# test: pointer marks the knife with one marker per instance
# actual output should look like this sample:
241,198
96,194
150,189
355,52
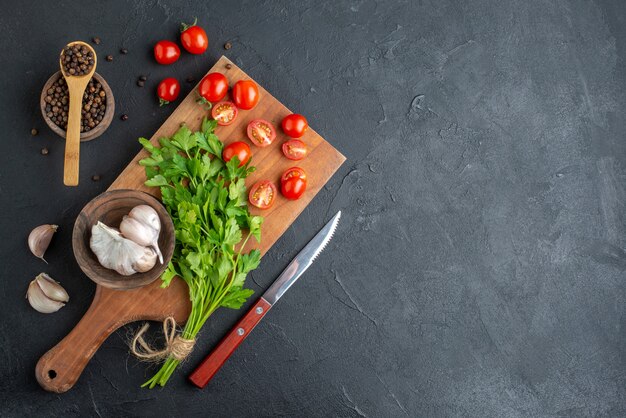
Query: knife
214,361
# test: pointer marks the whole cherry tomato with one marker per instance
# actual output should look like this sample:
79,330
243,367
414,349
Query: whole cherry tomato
213,87
293,183
295,125
168,90
166,52
193,38
245,94
238,149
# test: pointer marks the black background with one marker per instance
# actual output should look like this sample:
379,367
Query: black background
479,267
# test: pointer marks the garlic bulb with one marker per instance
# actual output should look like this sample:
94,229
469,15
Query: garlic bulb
39,239
118,253
143,226
46,295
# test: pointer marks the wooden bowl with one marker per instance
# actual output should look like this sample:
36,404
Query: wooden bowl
109,208
95,132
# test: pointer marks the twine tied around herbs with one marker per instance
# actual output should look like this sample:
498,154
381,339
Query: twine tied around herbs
175,345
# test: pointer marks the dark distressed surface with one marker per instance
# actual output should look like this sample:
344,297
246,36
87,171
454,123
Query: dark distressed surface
479,268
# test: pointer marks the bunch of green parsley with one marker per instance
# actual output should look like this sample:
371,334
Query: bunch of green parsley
207,200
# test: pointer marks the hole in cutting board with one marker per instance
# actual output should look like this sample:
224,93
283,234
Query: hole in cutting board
52,374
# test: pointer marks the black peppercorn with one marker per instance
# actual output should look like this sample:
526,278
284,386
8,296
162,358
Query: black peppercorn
228,45
140,83
44,151
228,66
124,117
96,40
142,78
34,131
124,51
92,110
109,58
77,60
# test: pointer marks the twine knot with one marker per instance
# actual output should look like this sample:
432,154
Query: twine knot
175,345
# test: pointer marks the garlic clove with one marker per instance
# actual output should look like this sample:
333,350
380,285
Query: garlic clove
141,233
146,215
146,261
38,299
39,239
51,288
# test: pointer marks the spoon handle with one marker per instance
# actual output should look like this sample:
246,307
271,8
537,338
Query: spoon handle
72,138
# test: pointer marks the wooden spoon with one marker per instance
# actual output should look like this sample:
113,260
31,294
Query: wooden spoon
76,86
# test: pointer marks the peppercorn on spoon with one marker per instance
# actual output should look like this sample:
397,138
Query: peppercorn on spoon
77,79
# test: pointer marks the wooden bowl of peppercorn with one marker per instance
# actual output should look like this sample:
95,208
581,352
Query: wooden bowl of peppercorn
98,106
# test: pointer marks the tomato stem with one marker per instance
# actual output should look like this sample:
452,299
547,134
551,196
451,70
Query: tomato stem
184,26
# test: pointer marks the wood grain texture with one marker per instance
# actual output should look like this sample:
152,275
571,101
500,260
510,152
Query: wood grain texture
76,87
100,321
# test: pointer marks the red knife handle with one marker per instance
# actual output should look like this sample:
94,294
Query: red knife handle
214,361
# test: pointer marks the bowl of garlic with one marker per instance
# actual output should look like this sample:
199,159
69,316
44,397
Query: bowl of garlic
123,239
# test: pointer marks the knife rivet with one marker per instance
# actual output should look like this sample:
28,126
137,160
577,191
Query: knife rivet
240,331
259,310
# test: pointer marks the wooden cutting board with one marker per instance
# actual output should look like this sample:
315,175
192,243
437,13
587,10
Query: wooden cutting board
59,369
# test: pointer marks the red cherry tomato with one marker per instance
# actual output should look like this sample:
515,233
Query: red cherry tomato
295,125
168,90
294,149
224,113
293,188
238,149
262,194
293,172
193,38
166,52
245,94
213,87
261,132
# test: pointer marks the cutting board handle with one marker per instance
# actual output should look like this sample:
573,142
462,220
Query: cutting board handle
59,369
62,365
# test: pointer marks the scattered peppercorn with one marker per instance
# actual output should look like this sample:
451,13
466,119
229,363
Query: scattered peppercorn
77,60
190,79
109,58
140,83
124,51
143,78
96,40
95,177
228,45
34,131
44,151
228,66
124,117
93,106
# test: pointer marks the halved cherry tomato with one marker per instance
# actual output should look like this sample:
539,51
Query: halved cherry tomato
261,132
295,125
166,52
224,113
294,185
238,149
262,194
245,94
168,90
213,87
293,172
294,149
193,38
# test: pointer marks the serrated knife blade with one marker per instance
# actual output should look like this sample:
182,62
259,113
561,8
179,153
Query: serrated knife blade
212,363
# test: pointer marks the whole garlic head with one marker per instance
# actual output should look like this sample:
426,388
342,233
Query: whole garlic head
118,253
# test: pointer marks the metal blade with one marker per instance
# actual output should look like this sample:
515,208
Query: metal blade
302,261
